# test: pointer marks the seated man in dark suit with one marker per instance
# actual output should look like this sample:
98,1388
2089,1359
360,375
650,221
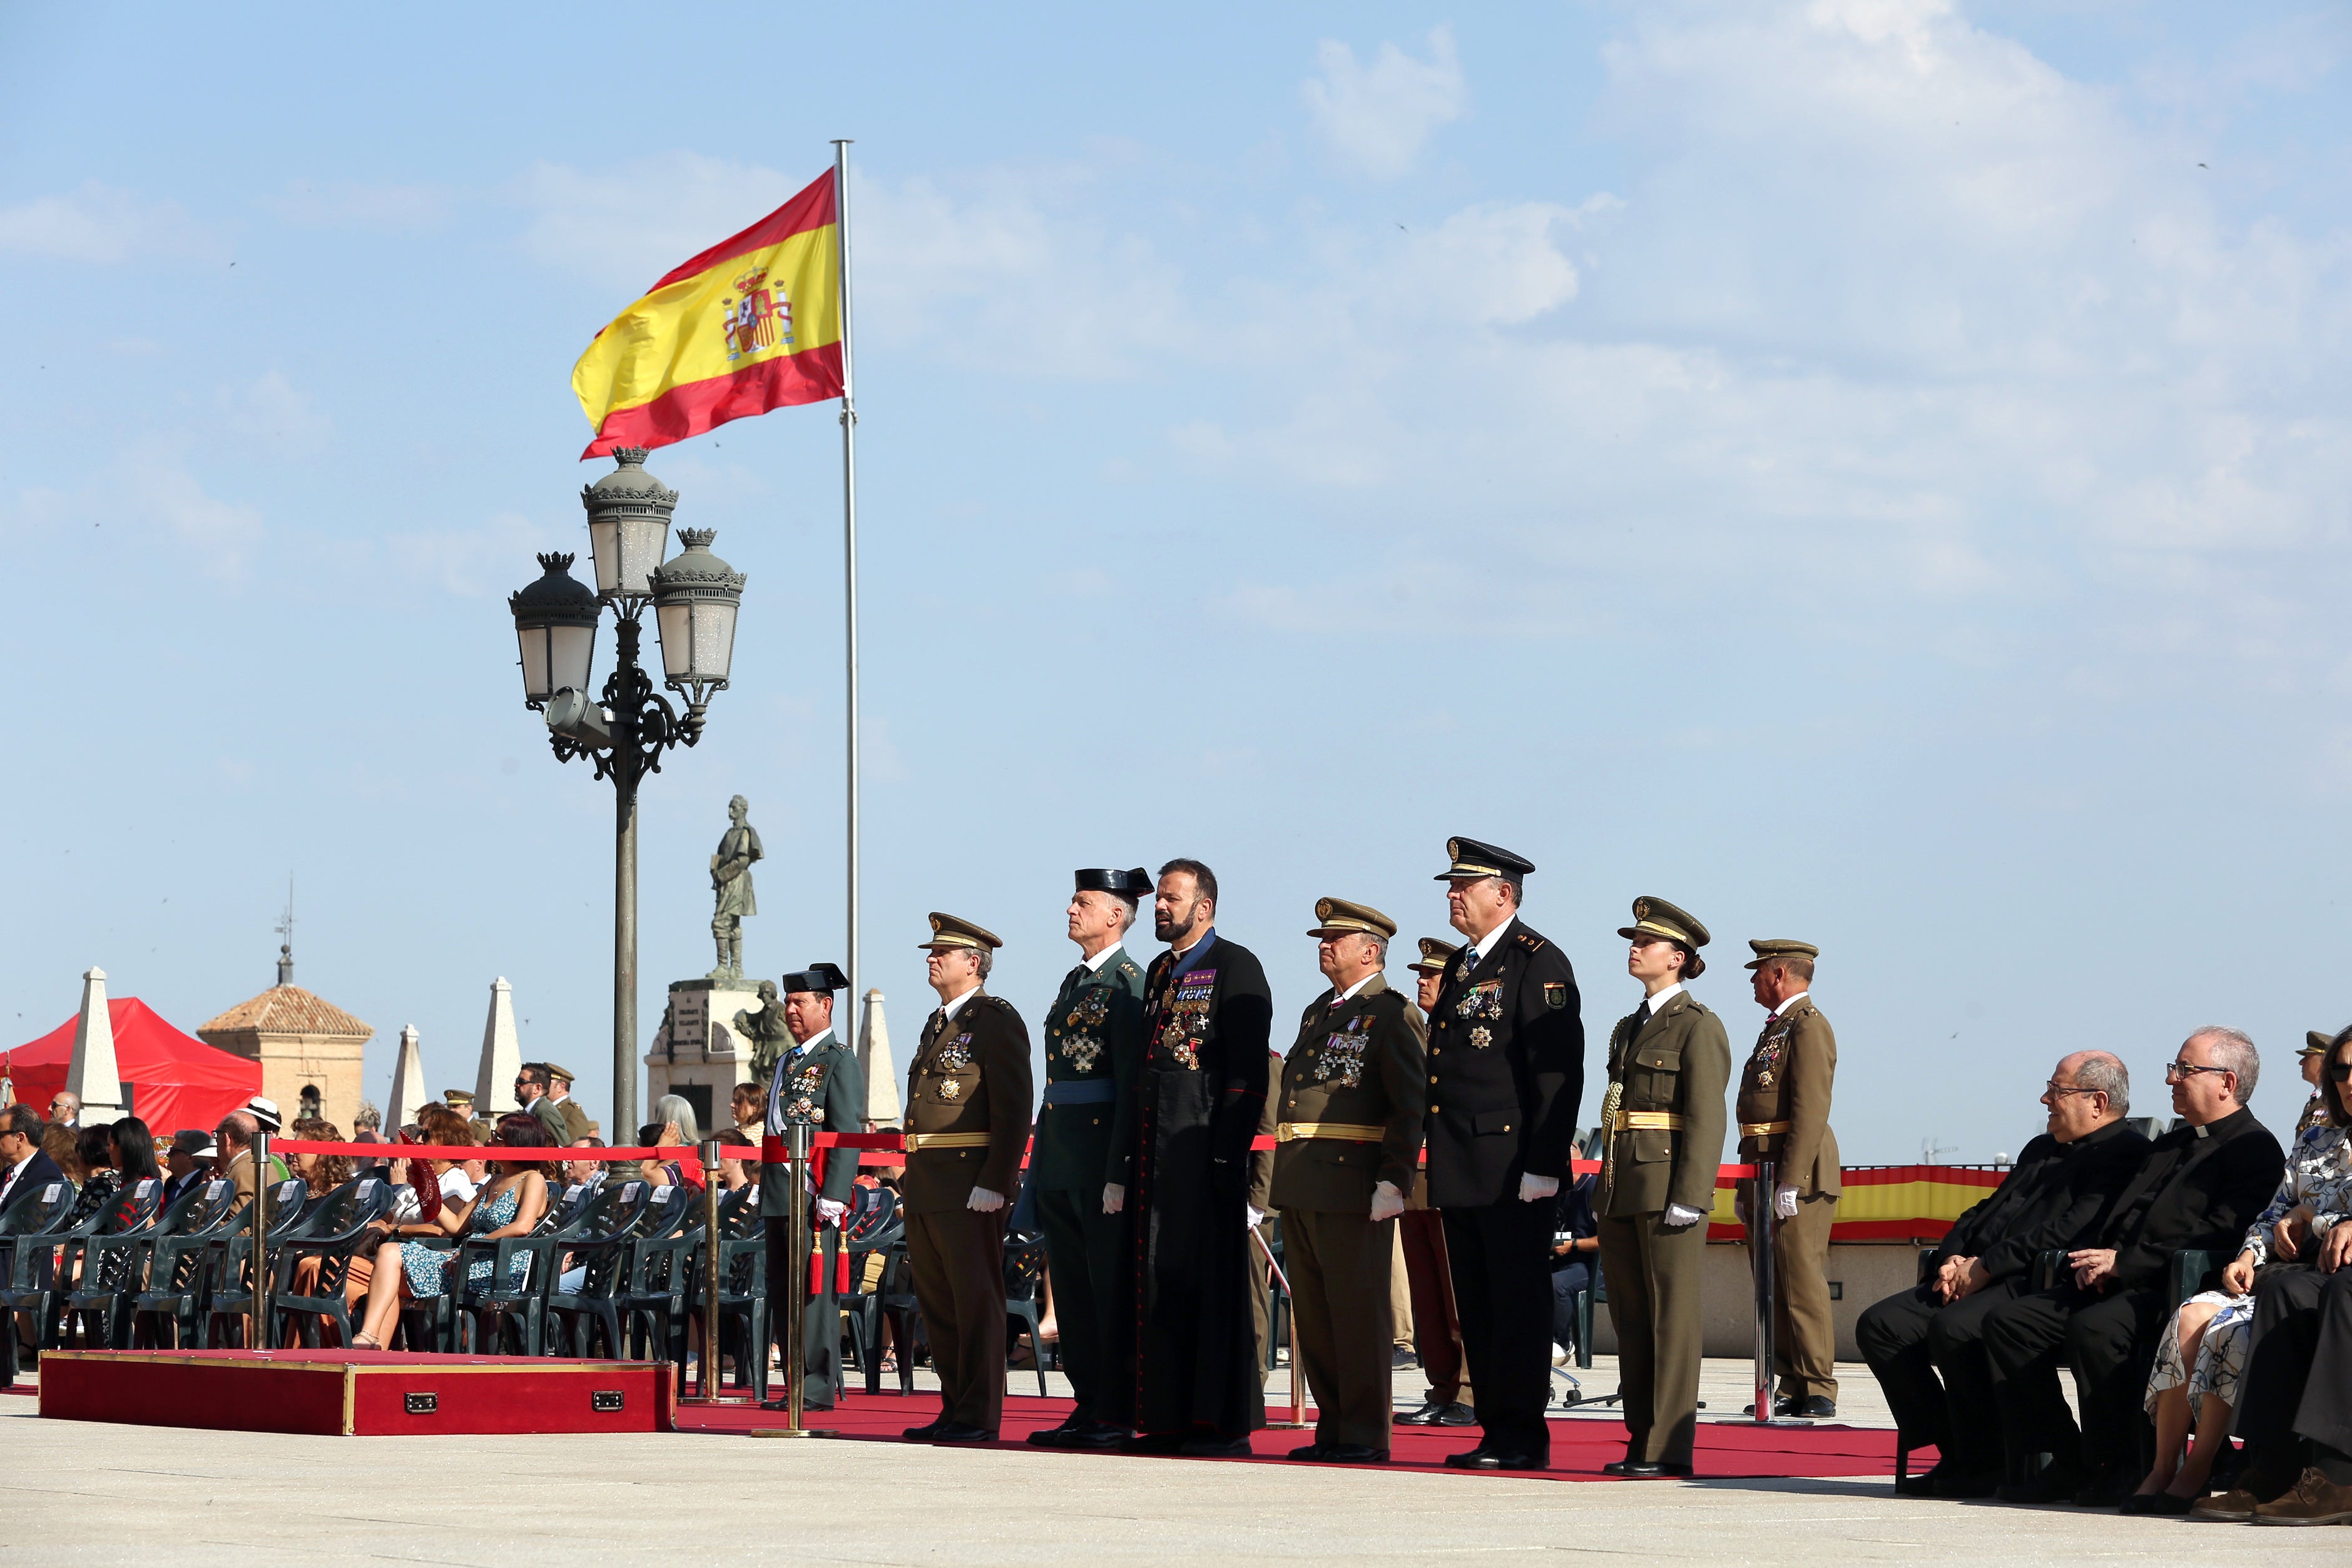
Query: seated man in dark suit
1575,1253
22,1161
2053,1197
2199,1186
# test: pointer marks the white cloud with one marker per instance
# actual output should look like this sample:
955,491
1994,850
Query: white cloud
103,225
150,487
344,204
272,412
626,226
1375,118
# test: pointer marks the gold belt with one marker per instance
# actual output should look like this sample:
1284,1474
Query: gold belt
1648,1121
1763,1129
1347,1131
946,1140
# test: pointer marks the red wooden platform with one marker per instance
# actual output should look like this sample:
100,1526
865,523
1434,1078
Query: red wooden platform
338,1393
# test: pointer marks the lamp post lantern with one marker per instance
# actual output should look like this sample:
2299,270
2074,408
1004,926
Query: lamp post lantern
625,730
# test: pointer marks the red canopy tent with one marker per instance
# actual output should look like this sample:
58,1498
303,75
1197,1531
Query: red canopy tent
176,1080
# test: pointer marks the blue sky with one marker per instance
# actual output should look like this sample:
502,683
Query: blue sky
1870,472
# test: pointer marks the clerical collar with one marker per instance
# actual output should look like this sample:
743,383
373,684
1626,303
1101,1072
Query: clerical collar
1099,959
1178,960
1783,1010
1483,945
948,1010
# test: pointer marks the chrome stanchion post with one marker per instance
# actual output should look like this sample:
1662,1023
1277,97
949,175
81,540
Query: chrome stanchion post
711,1387
1297,1367
800,1139
1760,1221
259,1252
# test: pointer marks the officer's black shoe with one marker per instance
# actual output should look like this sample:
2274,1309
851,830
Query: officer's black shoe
1097,1435
1813,1407
923,1434
1216,1448
1063,1436
1349,1454
2058,1483
1483,1458
956,1432
1311,1451
1403,1357
1645,1470
1451,1414
1955,1481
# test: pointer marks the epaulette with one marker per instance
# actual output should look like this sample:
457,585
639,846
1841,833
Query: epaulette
1529,941
1127,966
999,1002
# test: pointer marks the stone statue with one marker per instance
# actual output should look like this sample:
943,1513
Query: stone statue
771,1038
731,879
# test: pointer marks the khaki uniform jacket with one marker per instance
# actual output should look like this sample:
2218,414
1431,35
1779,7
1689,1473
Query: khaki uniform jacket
1362,1064
1788,1079
576,1121
968,1074
1680,1063
1260,1196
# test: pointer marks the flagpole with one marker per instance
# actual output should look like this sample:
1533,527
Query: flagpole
849,553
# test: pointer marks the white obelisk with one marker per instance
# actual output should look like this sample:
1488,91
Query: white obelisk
494,1092
407,1084
874,1060
92,1077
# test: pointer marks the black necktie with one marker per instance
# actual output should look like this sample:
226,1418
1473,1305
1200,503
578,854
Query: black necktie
1641,1015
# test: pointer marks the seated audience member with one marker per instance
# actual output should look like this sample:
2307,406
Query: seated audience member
134,1152
186,1163
2293,1413
662,1172
1926,1346
731,1171
511,1201
263,1112
65,1109
94,1167
233,1140
2199,1186
367,1127
320,1175
675,1115
62,1143
748,1105
1575,1253
454,1179
2201,1358
22,1158
585,1173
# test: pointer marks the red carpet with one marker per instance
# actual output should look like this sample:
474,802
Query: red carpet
1578,1447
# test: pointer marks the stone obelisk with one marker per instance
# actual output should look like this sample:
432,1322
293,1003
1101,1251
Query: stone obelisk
407,1084
494,1092
873,1061
93,1076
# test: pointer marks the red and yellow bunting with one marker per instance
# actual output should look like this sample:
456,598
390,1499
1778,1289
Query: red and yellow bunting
752,323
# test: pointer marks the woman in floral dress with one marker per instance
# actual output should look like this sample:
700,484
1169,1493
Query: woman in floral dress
511,1202
2203,1356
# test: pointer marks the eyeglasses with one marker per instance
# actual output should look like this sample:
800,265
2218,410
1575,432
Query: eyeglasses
2339,1071
2054,1087
2181,1072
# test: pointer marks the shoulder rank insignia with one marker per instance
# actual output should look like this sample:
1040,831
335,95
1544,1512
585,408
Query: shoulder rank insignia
1527,940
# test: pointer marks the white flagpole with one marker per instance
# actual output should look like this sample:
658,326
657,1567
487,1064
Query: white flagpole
849,538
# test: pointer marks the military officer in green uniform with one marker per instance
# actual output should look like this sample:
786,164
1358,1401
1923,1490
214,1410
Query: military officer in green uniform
1346,1147
817,1082
968,1107
1094,1040
1662,1120
1783,1112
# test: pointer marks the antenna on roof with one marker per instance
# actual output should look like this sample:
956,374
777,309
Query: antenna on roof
286,929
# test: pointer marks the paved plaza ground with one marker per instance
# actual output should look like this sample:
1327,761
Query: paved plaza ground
85,1494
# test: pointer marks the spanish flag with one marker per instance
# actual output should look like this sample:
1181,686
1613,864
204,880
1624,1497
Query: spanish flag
751,324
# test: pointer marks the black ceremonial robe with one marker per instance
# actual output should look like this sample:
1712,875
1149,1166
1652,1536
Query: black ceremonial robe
1189,1250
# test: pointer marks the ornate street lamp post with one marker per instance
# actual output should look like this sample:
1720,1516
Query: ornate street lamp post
625,732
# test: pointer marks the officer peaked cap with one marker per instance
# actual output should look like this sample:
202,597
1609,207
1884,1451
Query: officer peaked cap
1337,917
1656,917
2315,1043
824,977
1135,884
948,932
1435,956
1472,858
1773,947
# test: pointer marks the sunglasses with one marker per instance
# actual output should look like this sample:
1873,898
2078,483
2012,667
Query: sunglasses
2339,1071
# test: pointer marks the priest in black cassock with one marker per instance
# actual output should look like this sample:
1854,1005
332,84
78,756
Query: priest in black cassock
1189,1125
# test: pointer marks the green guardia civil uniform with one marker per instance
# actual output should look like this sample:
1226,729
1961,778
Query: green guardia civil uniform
1094,1045
818,1084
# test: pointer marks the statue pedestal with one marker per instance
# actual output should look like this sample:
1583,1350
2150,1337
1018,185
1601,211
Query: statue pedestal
697,1053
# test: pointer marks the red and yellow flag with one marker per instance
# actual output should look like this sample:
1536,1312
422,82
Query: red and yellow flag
751,324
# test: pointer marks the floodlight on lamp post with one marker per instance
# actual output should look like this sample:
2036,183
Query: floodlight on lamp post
623,732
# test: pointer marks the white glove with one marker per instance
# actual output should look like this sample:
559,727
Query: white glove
1114,1198
1784,1202
1534,1187
1387,1201
1256,1216
982,1201
830,1213
1678,1217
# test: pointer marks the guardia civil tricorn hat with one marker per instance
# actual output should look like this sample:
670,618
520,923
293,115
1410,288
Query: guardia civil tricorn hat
948,932
1472,858
1337,917
824,977
1134,884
